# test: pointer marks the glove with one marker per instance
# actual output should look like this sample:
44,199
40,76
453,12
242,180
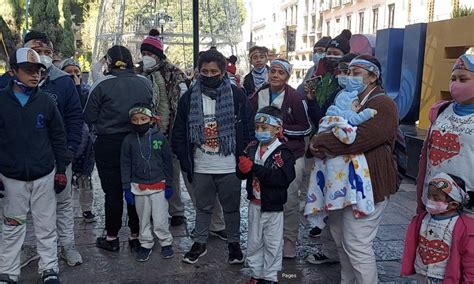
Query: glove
168,192
2,189
245,164
60,182
129,196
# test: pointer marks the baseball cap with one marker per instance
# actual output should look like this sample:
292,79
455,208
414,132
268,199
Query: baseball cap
25,55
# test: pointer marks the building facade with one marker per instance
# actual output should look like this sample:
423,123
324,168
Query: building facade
291,27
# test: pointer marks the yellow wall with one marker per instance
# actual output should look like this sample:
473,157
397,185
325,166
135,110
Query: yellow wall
445,42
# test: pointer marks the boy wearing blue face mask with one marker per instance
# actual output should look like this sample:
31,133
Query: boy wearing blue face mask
147,178
269,168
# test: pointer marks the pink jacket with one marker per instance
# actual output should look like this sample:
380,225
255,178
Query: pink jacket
460,267
420,179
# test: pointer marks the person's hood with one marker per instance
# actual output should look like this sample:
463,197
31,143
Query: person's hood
55,73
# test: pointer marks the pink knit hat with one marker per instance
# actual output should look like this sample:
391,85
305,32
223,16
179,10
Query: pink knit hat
153,44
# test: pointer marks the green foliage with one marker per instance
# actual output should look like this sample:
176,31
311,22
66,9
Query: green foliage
9,39
462,11
45,16
67,44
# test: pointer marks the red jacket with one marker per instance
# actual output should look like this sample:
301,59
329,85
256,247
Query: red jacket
295,118
460,266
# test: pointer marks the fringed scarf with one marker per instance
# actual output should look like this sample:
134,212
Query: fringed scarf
224,112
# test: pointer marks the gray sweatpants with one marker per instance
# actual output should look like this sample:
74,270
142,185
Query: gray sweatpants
176,206
217,220
37,196
227,188
265,243
86,192
291,209
65,212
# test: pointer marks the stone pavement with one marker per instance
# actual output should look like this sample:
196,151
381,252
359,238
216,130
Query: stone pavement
106,267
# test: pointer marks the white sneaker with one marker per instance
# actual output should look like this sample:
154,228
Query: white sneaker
71,255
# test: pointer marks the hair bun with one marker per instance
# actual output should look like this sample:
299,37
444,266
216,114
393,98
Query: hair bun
154,32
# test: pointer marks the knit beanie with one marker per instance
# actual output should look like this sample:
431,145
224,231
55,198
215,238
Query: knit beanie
341,42
153,44
322,42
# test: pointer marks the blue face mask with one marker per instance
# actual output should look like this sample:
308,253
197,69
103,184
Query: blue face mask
24,88
342,81
318,56
355,83
263,136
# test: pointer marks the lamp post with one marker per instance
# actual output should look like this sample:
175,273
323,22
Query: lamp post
162,23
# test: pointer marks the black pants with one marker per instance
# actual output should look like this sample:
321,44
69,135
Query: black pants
107,155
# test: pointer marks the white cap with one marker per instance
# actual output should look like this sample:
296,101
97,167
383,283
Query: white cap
26,55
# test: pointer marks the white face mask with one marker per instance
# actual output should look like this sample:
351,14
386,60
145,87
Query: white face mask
46,60
149,62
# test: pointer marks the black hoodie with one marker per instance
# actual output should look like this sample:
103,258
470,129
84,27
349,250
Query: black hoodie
32,137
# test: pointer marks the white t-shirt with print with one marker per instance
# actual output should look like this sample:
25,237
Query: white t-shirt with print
434,246
451,148
207,159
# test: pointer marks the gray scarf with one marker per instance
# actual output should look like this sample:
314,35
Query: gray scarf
224,113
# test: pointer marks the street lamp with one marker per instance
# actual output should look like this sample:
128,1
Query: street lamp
161,22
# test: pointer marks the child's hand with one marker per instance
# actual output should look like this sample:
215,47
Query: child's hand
245,164
60,182
168,192
129,196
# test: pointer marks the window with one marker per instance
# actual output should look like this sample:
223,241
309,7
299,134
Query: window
391,15
375,18
361,22
349,22
328,28
274,17
338,26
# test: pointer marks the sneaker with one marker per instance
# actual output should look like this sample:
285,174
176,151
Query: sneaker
197,250
5,278
219,234
235,254
177,221
134,244
289,249
167,252
50,276
88,216
143,254
71,255
113,245
315,232
28,255
319,258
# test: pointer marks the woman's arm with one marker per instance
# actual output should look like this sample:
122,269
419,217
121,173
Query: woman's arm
371,134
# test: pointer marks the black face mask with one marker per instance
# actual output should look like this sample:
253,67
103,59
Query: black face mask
211,82
332,63
141,128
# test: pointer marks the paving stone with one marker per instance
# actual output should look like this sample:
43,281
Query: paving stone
120,267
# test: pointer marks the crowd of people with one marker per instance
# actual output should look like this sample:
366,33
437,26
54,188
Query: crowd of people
323,150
